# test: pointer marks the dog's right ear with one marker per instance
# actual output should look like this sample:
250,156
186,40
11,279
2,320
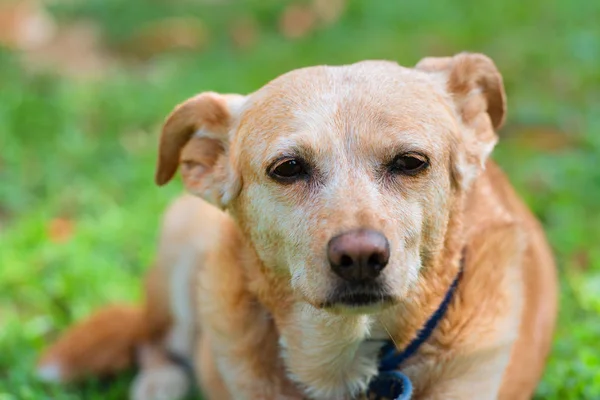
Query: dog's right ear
197,134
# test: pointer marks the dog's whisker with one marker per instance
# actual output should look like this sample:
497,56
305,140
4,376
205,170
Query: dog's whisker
387,331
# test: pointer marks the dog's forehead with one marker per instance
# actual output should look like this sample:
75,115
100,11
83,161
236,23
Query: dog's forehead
366,78
366,96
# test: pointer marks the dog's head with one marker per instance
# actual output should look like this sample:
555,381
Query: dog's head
342,178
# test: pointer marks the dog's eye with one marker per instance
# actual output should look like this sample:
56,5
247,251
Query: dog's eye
409,164
288,170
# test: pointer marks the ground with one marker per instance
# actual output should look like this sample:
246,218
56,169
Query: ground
79,211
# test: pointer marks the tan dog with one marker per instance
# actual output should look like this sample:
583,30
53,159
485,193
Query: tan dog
356,196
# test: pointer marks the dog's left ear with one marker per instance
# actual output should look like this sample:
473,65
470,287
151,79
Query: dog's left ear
474,82
197,135
476,88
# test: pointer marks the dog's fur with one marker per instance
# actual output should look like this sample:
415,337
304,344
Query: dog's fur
249,294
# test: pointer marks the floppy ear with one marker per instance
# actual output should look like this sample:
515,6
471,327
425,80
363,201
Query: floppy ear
197,135
474,82
476,88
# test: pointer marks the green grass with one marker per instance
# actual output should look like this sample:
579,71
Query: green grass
85,151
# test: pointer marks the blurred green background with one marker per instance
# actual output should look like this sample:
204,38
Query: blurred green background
84,86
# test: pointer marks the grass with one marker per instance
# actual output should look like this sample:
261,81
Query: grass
79,154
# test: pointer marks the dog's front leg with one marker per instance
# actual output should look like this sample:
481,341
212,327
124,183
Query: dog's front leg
159,377
239,353
244,363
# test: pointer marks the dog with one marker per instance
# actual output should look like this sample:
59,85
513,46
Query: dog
356,221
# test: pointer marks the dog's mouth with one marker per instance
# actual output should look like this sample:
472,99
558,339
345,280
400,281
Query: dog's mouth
361,298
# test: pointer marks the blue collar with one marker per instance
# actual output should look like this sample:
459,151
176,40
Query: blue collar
391,383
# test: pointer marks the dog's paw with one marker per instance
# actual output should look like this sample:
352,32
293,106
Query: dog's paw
167,382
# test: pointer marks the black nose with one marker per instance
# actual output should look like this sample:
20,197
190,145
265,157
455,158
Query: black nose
358,255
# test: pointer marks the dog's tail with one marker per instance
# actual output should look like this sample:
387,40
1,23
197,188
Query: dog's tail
103,344
106,342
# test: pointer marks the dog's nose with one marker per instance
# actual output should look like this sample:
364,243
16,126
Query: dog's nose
358,255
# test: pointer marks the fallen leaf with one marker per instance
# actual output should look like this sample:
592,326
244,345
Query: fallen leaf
244,32
60,230
25,24
329,11
580,260
167,35
76,51
297,21
539,137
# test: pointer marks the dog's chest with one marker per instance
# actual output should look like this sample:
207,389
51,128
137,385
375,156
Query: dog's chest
333,359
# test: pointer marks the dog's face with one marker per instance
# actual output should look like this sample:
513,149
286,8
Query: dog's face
342,178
